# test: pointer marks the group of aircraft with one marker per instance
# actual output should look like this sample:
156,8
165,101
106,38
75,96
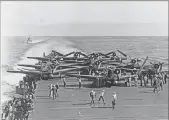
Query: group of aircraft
109,67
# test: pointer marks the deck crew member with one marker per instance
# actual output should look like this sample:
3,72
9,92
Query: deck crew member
56,89
135,80
92,95
114,100
145,80
80,82
155,84
151,78
3,115
53,92
129,81
10,111
21,84
162,75
50,90
132,72
64,81
161,83
34,84
165,78
101,96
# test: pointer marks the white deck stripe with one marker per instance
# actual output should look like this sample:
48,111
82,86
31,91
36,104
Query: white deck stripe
152,105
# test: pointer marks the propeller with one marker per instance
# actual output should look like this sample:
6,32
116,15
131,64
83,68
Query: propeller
157,65
135,60
76,55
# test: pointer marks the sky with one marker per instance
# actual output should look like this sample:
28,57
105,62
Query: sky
20,17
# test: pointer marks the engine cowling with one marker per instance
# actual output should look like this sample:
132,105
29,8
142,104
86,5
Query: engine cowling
156,66
113,54
117,71
76,55
133,61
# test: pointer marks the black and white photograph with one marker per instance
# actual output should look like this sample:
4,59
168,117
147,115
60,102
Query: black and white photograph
84,60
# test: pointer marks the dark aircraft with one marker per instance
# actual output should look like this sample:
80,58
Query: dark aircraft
46,72
153,68
110,76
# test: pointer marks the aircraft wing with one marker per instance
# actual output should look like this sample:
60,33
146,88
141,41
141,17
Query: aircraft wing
129,69
26,65
27,69
25,72
73,58
122,53
148,67
109,60
72,61
112,63
60,54
68,54
67,70
166,71
67,64
84,76
84,54
39,58
126,76
80,67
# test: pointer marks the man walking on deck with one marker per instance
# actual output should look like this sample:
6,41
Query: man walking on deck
114,100
161,83
56,90
101,96
50,90
92,95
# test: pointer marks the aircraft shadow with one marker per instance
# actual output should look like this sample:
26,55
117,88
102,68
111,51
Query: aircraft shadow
62,101
77,86
147,91
82,104
145,87
51,101
42,96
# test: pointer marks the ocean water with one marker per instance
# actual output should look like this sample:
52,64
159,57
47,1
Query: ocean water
15,49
